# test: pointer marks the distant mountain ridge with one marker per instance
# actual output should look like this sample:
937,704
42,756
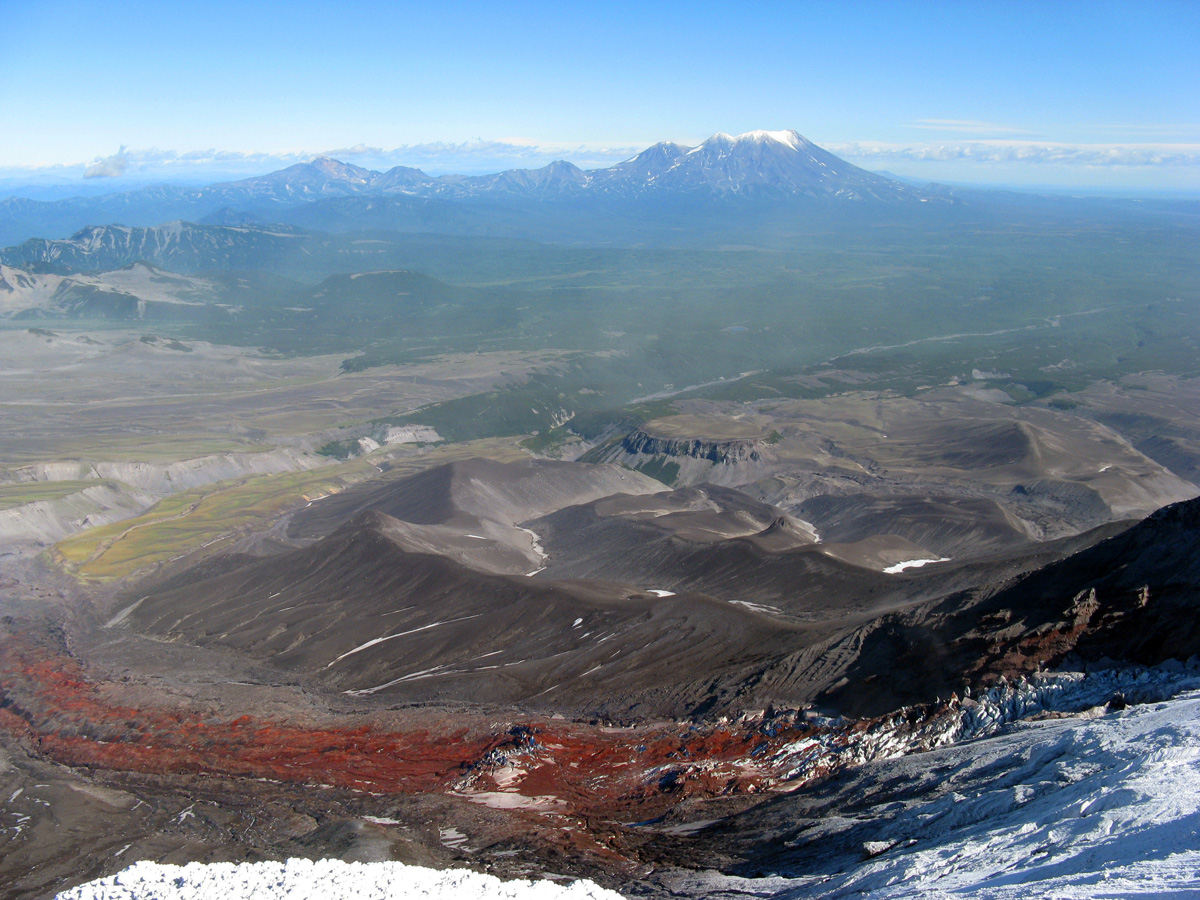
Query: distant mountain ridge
772,162
178,246
758,164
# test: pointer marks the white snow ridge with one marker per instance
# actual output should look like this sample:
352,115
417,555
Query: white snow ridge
1072,809
790,138
303,879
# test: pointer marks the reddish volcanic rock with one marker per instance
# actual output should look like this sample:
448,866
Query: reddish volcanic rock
604,776
47,698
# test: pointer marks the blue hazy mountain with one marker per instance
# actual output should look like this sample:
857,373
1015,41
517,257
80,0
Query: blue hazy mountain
776,165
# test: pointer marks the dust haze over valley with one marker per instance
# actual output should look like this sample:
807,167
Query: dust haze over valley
624,523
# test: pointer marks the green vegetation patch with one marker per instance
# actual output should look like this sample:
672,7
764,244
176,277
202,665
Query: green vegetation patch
210,517
548,441
186,521
661,469
339,449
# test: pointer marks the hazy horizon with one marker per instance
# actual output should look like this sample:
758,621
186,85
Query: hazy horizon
1013,94
132,170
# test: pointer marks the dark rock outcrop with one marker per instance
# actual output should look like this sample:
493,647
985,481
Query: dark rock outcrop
731,451
1132,598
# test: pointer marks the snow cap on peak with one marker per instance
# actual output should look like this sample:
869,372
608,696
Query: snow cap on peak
789,137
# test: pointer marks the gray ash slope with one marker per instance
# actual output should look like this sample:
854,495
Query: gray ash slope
435,608
945,524
721,542
359,613
476,489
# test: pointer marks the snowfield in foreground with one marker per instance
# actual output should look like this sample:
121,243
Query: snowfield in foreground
302,879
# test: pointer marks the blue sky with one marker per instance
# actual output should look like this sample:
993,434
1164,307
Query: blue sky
1050,93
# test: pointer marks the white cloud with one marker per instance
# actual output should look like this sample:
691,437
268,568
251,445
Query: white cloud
1026,152
109,166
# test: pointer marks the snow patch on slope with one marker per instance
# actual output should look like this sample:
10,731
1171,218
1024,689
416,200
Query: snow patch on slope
912,564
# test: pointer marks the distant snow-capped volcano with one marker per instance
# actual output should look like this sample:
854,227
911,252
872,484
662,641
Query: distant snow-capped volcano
769,163
757,162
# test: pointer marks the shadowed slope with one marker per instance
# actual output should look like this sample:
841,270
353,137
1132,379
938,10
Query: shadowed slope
1133,597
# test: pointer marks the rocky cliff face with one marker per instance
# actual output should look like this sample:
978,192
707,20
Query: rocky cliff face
731,451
